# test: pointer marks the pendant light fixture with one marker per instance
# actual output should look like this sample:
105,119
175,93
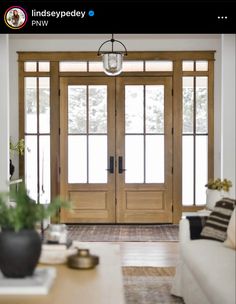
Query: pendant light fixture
112,60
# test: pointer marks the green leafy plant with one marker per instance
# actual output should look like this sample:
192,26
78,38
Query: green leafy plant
18,211
218,184
18,147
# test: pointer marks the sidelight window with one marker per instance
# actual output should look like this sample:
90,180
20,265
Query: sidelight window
194,139
37,137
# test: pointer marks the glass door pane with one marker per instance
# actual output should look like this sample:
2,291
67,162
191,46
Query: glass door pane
134,159
155,159
134,109
77,159
87,134
97,160
144,134
77,118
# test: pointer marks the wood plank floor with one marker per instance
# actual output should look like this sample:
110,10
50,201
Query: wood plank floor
149,254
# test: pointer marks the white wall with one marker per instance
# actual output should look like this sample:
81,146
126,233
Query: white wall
228,109
4,112
147,42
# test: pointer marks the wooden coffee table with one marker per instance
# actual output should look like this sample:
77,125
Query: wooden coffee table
101,285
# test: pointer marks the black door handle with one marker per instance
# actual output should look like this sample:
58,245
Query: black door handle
111,165
120,163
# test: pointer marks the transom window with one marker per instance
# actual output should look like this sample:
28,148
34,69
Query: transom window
97,66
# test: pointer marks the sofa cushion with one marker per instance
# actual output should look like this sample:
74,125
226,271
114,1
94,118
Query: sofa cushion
231,232
213,266
217,222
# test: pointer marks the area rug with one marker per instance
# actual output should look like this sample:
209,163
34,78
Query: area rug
123,233
149,285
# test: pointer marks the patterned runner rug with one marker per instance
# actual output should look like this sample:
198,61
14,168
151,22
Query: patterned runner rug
149,285
123,233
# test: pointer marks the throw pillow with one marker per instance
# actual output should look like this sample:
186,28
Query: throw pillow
196,223
217,222
231,232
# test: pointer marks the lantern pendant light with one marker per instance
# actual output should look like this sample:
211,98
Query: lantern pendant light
112,60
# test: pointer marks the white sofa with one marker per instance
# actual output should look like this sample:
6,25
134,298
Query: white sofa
206,270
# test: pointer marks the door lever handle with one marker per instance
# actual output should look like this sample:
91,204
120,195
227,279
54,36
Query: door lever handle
120,163
111,165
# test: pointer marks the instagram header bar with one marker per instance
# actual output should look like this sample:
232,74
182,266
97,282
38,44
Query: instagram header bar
118,17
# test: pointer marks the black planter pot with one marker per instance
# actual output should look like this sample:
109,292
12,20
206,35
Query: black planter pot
19,252
11,168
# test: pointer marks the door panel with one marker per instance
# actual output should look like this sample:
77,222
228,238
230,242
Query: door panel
87,118
144,143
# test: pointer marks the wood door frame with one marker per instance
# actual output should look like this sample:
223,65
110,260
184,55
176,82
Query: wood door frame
120,134
72,188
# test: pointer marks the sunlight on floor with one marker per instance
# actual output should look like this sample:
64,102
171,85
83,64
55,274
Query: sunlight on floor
149,254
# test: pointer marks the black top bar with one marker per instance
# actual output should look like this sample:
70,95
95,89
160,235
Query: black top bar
132,16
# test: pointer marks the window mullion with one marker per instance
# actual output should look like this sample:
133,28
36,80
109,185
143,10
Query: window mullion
87,131
194,140
144,130
38,148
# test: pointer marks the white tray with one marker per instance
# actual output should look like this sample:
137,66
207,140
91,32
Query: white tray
38,284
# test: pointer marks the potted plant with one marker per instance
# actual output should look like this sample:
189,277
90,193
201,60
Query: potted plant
20,243
216,189
15,148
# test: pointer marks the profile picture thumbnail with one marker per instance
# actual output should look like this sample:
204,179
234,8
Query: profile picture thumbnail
15,17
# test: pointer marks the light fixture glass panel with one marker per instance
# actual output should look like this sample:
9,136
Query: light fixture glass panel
134,159
158,65
31,168
97,109
97,159
77,120
188,65
155,161
30,66
188,105
44,105
154,109
77,159
201,65
30,104
44,66
201,105
133,66
134,108
73,66
201,169
44,170
112,63
187,170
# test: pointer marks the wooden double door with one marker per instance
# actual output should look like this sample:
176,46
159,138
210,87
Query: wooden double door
116,149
